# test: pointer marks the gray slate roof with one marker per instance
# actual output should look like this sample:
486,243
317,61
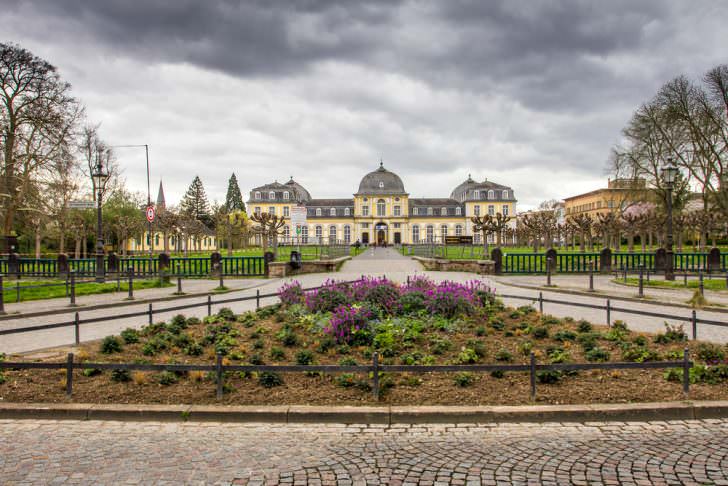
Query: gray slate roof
470,186
381,181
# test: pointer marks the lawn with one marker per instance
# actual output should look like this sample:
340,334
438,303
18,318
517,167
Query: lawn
659,282
49,289
344,324
308,252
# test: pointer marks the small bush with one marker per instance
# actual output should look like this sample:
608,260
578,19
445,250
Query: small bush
120,376
348,361
130,336
541,332
710,353
480,331
640,354
304,357
478,347
504,355
497,324
588,340
139,377
548,376
597,354
672,334
467,356
167,378
91,372
557,355
412,302
269,379
350,380
277,354
193,321
440,346
344,349
256,359
565,335
497,374
179,320
674,375
550,320
111,344
464,379
194,349
226,313
641,340
525,348
258,344
584,326
287,337
526,309
325,344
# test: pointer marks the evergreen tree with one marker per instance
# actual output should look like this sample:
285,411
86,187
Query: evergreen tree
234,199
194,204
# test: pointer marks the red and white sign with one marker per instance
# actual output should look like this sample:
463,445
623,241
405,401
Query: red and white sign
150,213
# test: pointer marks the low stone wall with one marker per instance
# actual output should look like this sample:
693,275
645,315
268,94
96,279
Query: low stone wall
285,269
483,267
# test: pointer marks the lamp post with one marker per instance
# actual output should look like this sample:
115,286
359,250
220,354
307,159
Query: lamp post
99,176
669,173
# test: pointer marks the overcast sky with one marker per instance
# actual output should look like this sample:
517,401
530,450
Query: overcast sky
530,94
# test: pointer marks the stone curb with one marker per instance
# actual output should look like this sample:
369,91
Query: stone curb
387,415
608,296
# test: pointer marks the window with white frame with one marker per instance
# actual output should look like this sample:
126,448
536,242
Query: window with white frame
429,211
304,234
332,233
491,194
443,212
458,211
365,210
476,210
505,194
415,211
257,210
415,234
319,233
286,211
271,195
476,194
257,194
505,210
347,212
347,234
443,231
381,207
286,232
491,209
271,210
458,230
381,184
397,210
332,212
430,233
318,211
286,195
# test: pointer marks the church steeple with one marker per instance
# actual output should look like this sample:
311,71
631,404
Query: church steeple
160,197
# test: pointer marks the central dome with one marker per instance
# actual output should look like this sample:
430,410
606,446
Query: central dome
381,181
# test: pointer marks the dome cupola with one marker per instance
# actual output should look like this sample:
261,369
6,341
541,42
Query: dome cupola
381,181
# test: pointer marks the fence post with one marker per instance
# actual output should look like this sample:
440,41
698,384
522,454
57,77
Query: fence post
408,280
150,313
641,285
67,286
257,299
624,271
591,276
701,286
222,283
609,314
540,302
17,291
375,376
131,283
694,320
685,279
686,371
548,272
2,297
218,373
533,376
69,375
73,287
209,305
648,275
77,329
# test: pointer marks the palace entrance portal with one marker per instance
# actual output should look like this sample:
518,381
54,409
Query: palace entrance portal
381,232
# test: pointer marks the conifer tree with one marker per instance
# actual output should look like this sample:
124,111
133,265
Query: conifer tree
234,199
195,204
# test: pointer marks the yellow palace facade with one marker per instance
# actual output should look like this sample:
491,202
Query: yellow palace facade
381,211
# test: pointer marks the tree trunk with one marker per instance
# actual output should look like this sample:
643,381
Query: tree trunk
37,242
77,252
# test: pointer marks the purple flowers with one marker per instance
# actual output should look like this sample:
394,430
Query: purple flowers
348,323
291,293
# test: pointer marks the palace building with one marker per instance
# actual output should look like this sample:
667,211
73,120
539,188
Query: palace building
382,211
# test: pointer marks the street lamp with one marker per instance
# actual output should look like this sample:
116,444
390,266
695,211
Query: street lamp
99,176
669,173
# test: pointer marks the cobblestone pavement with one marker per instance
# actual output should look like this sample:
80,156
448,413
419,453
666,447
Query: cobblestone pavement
51,452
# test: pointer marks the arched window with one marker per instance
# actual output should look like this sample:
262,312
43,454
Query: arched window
286,232
304,234
319,233
318,211
458,211
347,212
458,230
286,195
332,234
381,207
332,212
476,194
271,195
257,194
443,232
430,233
347,234
491,194
505,194
415,211
429,211
415,233
443,212
381,184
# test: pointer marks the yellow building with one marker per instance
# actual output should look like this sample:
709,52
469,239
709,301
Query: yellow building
616,197
381,211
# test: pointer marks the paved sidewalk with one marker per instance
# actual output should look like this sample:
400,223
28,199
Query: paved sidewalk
96,452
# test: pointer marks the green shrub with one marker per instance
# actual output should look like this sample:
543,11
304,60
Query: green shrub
344,349
130,336
504,355
287,337
304,357
325,344
120,376
597,354
557,355
672,334
348,361
226,313
258,344
710,353
467,356
193,321
167,378
478,347
497,323
224,344
269,379
412,302
350,380
194,349
179,320
525,348
91,372
497,374
588,340
440,346
236,356
548,376
674,374
641,340
617,332
256,359
526,309
464,379
277,354
640,354
3,379
565,335
481,331
111,344
550,320
584,326
541,332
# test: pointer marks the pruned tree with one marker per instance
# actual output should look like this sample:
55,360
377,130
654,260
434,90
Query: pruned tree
268,226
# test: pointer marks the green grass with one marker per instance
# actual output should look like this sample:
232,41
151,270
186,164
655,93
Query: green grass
40,293
308,252
708,284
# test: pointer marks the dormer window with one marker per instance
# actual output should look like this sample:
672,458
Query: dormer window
257,194
415,211
286,195
381,184
347,212
429,211
271,195
457,211
491,194
505,194
443,212
332,212
476,194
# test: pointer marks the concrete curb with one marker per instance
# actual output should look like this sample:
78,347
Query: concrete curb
608,296
387,415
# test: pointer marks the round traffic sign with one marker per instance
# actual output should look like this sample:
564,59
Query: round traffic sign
150,213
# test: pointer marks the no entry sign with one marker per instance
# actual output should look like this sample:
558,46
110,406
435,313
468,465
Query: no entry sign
150,213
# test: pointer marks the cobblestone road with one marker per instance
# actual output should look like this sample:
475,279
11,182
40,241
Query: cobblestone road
69,452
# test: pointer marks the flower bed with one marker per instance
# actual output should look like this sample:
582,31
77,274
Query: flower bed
421,323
